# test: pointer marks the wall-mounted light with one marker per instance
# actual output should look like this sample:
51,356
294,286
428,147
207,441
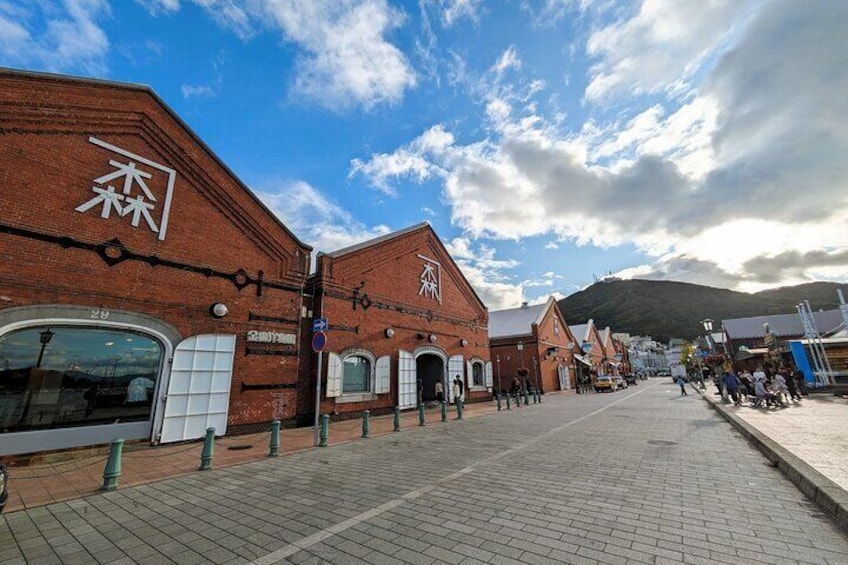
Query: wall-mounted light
463,342
390,332
432,338
420,336
219,310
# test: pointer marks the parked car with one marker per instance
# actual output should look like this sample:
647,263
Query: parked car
619,382
631,379
604,383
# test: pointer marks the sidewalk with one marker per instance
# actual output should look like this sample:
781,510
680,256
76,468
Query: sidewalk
37,485
806,441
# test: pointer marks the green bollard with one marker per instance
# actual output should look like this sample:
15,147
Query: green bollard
444,411
397,418
366,425
274,446
539,395
526,398
421,414
535,396
208,450
507,402
517,399
498,397
113,466
325,430
459,409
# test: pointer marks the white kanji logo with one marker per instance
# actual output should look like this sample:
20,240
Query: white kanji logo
430,279
135,198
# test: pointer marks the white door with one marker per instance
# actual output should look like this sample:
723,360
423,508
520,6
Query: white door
407,395
199,387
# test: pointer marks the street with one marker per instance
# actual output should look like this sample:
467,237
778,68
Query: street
637,476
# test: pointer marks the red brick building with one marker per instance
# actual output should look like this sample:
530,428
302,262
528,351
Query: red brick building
401,317
145,292
533,342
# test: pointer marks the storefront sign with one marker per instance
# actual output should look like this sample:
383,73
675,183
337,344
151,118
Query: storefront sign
271,337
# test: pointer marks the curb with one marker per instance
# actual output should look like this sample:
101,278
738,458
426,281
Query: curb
827,495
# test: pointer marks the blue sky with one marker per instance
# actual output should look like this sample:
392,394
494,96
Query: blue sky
547,142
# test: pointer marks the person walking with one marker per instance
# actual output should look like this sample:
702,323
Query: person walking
440,391
457,390
731,384
800,381
682,382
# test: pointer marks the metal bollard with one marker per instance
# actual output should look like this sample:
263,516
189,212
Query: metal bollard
507,402
208,450
325,430
526,398
459,409
366,425
113,466
274,446
539,394
498,398
397,418
421,414
444,411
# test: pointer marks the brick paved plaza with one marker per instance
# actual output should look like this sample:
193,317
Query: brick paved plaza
639,476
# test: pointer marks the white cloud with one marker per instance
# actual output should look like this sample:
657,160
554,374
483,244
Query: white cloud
750,165
455,10
315,219
667,41
190,91
347,59
45,36
486,274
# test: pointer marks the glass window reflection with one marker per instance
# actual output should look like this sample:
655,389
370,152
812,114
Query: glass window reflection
357,374
56,377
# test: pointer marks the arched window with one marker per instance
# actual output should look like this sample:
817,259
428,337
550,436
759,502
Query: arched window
59,377
478,374
356,376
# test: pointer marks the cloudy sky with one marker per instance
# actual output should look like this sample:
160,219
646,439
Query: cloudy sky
548,142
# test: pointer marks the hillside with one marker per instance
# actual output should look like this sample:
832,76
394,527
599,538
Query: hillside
666,309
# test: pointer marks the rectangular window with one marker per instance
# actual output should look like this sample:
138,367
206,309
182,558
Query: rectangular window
357,375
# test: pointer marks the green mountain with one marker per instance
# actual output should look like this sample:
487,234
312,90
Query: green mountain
666,309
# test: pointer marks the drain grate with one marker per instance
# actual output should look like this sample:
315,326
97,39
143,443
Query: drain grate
661,442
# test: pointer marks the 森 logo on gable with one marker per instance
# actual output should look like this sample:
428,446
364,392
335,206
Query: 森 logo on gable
136,190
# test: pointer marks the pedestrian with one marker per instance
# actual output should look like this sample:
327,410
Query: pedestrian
515,387
457,390
791,386
779,387
440,391
800,381
682,382
731,384
748,382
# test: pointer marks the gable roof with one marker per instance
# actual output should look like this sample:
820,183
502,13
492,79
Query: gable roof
580,331
375,241
61,78
516,321
782,325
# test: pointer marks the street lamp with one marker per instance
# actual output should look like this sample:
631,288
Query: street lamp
45,338
520,347
708,327
498,361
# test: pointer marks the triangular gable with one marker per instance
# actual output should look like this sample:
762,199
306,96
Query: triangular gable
414,259
101,123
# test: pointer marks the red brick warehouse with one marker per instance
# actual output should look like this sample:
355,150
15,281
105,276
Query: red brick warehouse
402,317
145,292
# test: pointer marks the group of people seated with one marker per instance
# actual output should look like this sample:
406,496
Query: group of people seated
765,388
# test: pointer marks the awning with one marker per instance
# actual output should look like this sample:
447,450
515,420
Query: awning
582,360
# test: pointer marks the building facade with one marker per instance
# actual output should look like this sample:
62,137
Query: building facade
401,317
533,344
145,292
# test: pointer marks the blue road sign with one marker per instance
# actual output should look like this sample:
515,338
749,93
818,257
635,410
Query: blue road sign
319,324
319,341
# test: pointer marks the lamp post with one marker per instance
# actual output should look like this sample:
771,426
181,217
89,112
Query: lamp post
708,327
520,347
45,338
498,362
